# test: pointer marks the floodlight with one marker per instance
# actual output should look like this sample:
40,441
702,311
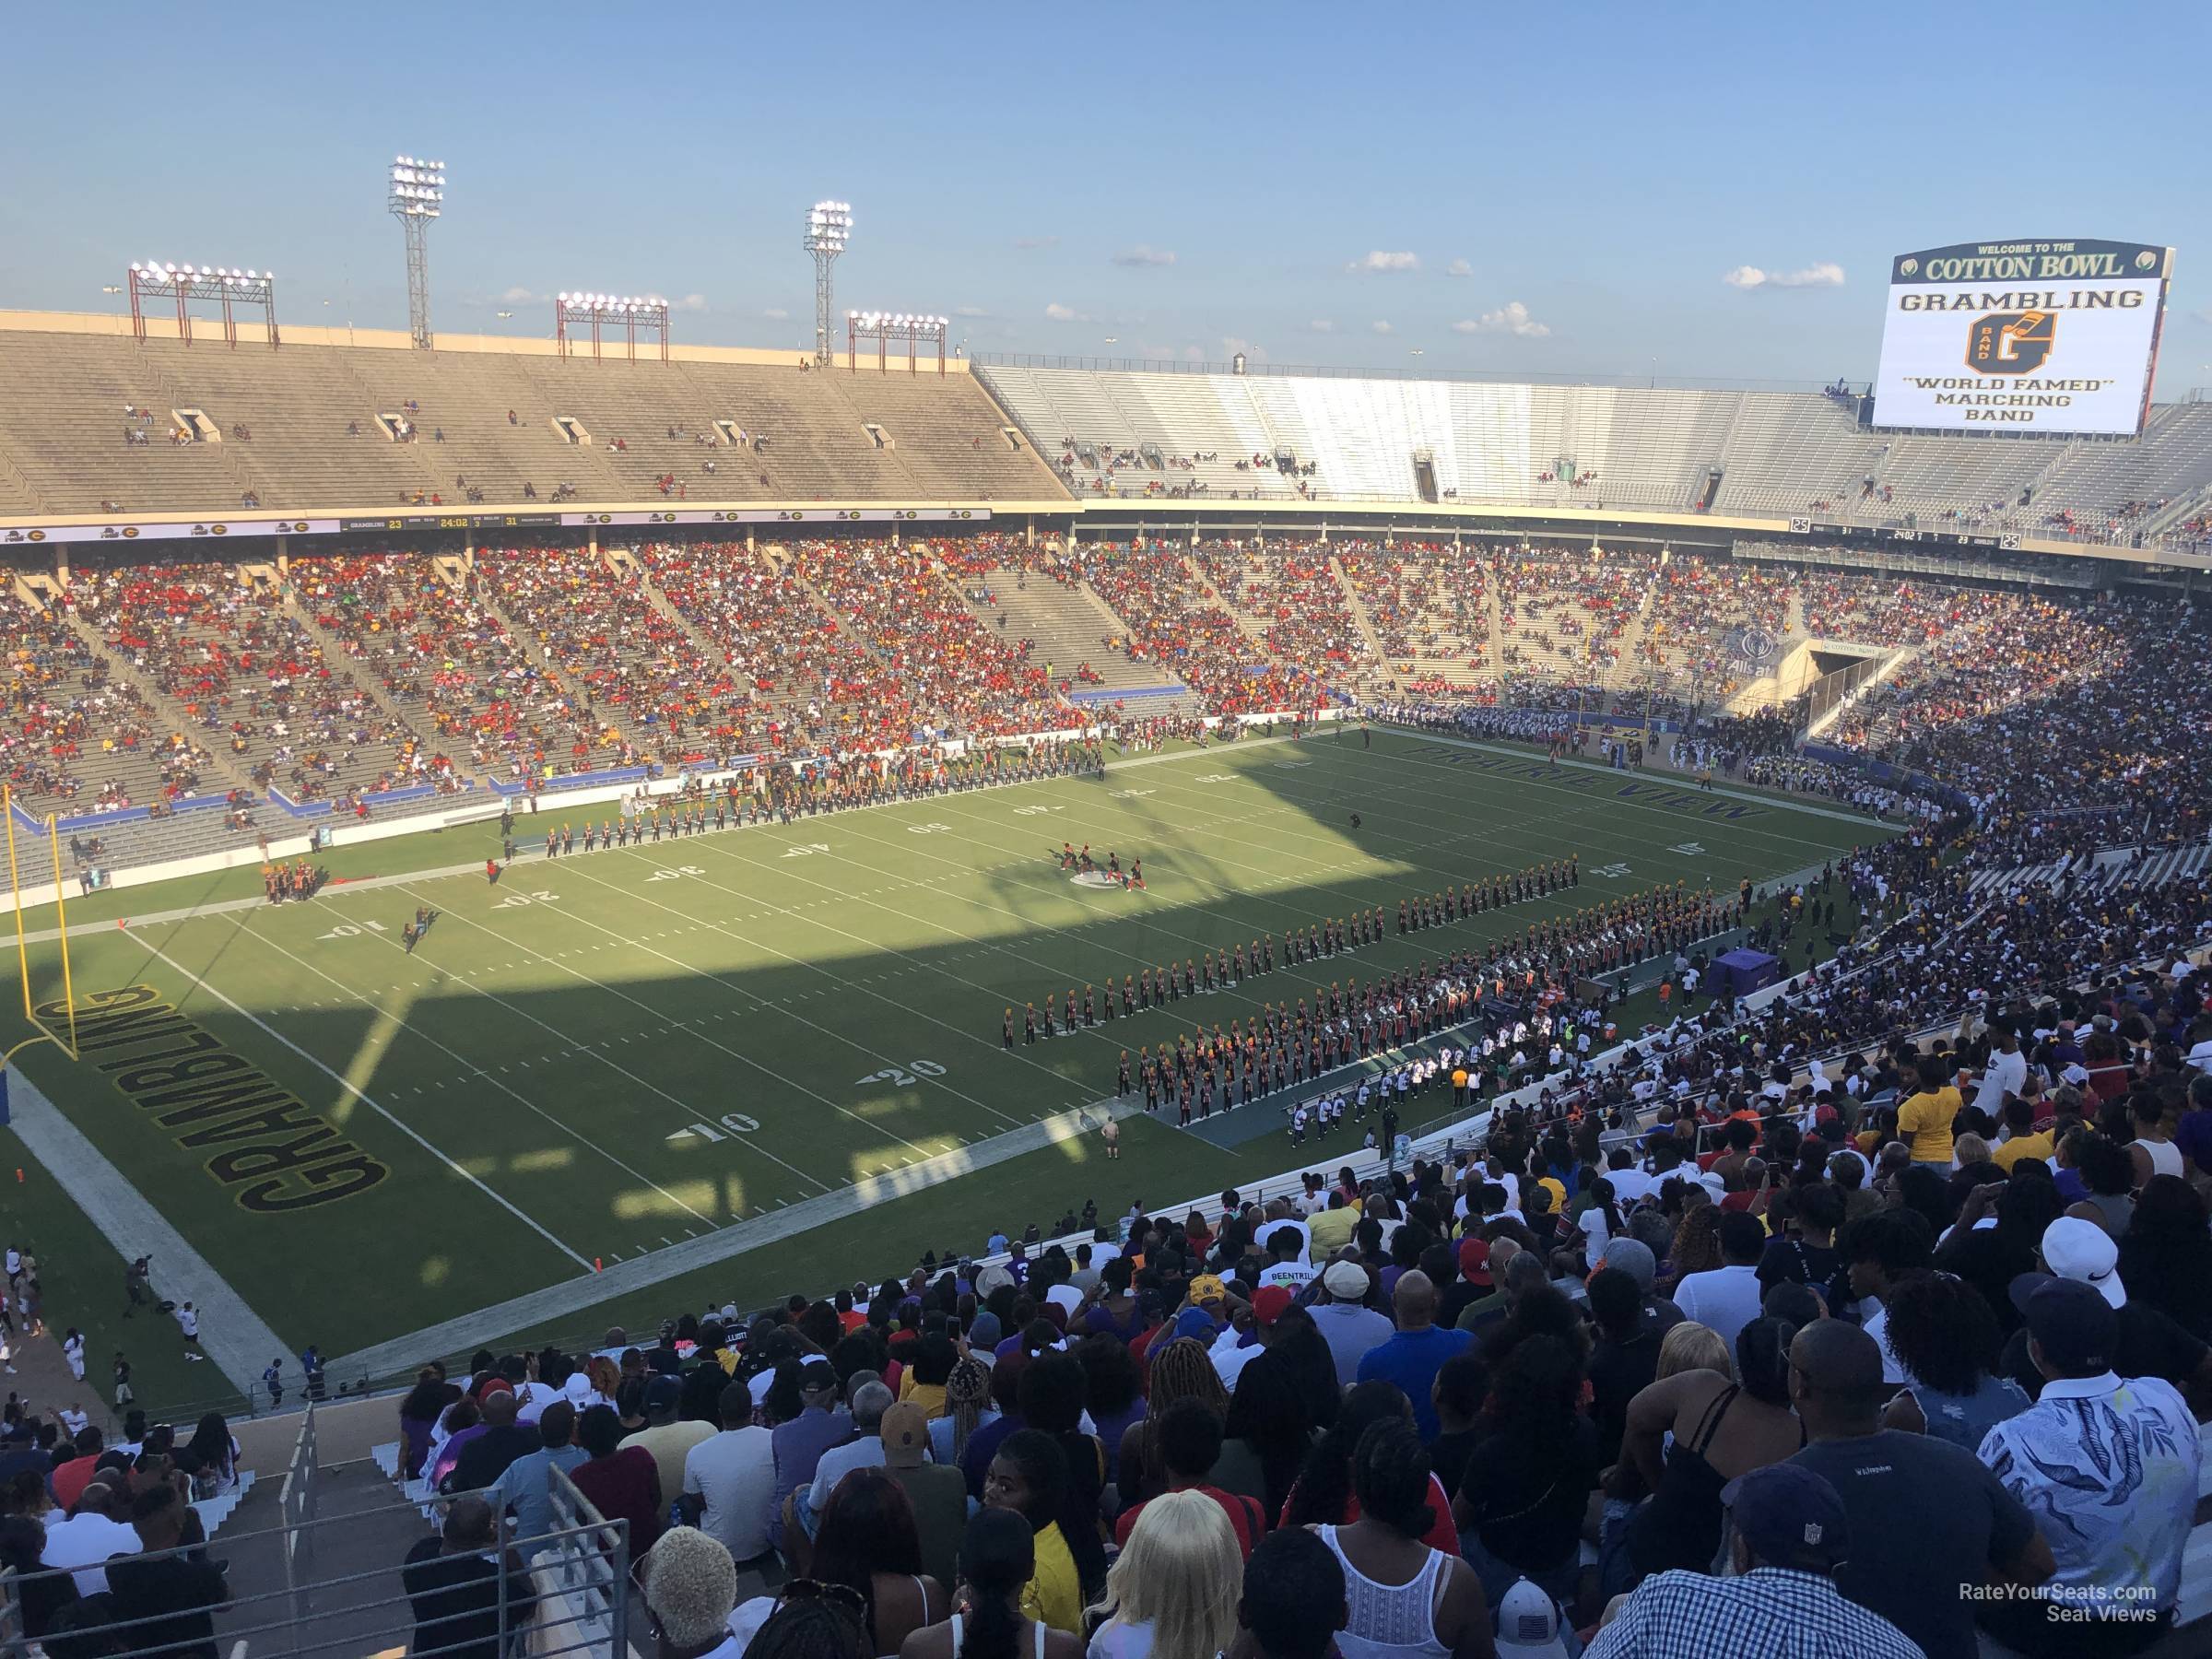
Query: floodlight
416,195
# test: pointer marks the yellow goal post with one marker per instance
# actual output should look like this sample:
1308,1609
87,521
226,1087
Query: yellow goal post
45,1032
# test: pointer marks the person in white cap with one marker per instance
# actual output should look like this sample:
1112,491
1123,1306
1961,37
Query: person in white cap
1348,1328
1528,1625
2150,1343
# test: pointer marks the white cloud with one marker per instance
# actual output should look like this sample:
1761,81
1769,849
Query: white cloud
1380,328
1384,260
1036,242
1065,314
1459,268
1510,318
519,295
689,302
1142,256
776,314
970,311
1156,354
1233,344
1321,325
1827,274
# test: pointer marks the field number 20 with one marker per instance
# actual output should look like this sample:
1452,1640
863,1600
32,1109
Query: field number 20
902,1080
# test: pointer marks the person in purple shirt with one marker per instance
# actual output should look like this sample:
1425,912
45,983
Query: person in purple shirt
809,1421
1418,1351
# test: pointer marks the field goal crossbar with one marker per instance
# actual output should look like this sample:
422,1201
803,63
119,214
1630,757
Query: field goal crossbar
43,1031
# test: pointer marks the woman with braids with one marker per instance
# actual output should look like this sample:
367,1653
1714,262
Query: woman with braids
1181,1370
1266,1436
1527,1485
1405,1599
1944,1334
869,1540
998,1560
1697,1246
1172,1592
1029,1477
1324,1495
967,1405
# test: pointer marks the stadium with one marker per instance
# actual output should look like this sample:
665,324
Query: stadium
582,859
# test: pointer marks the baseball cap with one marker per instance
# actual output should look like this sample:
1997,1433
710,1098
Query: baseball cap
984,1331
1528,1624
1207,1286
664,1393
2076,1249
815,1377
1791,1516
2072,1322
905,1437
1195,1322
1346,1280
1269,1303
1474,1261
1633,1258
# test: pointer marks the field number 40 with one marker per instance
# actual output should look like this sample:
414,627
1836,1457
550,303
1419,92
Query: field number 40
902,1080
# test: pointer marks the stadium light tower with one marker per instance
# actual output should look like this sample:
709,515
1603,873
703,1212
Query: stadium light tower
829,228
418,196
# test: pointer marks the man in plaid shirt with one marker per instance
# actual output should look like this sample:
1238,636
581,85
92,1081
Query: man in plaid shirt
1783,1604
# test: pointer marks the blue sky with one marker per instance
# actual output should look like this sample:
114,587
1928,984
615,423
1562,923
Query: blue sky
1557,189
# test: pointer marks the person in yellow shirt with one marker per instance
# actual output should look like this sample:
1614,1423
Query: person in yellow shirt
1030,1476
2020,1141
1332,1230
1924,1119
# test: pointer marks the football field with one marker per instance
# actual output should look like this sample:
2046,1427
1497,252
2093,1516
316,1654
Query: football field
739,1063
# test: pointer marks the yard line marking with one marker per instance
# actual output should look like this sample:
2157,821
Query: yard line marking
613,991
375,1105
839,979
522,1099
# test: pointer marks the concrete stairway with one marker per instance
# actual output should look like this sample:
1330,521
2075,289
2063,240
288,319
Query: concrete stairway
1246,625
219,773
335,652
1367,624
649,591
1066,626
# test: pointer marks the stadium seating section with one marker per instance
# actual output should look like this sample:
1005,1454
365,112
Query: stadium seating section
319,427
1754,453
155,426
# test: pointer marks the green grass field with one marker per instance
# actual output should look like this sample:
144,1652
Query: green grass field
605,1056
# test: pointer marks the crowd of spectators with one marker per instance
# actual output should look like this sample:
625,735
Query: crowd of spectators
959,676
251,679
1788,1316
1297,606
61,704
444,657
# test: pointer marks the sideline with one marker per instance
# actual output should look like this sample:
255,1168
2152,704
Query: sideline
341,886
234,1336
1780,803
740,1238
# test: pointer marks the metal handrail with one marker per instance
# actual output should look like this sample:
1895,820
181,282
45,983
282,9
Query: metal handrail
580,1569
